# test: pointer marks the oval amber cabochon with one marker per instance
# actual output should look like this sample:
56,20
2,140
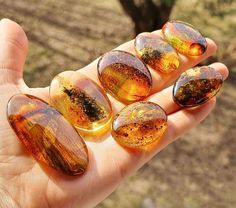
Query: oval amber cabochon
184,38
196,86
47,135
156,52
139,124
124,76
81,101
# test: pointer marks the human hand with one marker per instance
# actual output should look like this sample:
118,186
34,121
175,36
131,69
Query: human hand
23,182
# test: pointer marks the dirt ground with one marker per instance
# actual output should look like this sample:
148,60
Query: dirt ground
197,171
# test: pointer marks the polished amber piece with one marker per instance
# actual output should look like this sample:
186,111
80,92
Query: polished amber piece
47,135
124,76
81,101
156,52
196,86
139,124
184,38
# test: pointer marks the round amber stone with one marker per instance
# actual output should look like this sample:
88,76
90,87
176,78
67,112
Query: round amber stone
156,52
184,38
124,76
197,86
47,135
139,124
81,101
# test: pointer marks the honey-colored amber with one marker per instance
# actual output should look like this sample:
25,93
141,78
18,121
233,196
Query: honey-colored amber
139,124
196,86
81,101
156,52
184,38
124,76
47,135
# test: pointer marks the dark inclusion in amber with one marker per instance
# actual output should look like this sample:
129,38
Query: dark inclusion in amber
156,52
184,38
81,101
88,105
47,135
139,124
124,76
197,86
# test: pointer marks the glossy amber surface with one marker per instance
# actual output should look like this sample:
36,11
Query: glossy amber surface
124,76
139,124
156,52
47,135
196,86
184,38
81,101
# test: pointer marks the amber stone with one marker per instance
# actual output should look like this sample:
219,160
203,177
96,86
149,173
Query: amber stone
47,135
156,52
184,38
139,124
196,86
81,101
124,76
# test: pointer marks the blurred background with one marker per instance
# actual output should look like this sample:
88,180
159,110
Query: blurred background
197,171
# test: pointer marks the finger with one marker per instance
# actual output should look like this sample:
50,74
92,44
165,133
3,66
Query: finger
165,98
185,63
160,80
163,80
13,50
182,121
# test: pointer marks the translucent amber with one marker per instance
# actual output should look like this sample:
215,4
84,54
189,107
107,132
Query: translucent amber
184,38
124,76
81,101
47,135
156,52
139,124
196,86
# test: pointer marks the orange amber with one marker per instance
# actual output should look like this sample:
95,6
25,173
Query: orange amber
139,124
197,86
81,101
184,38
47,135
156,52
124,76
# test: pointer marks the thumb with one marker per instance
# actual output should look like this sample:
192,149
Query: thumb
13,51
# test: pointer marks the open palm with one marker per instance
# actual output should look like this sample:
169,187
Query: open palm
24,183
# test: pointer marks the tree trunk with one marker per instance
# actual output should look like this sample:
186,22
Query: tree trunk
146,15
